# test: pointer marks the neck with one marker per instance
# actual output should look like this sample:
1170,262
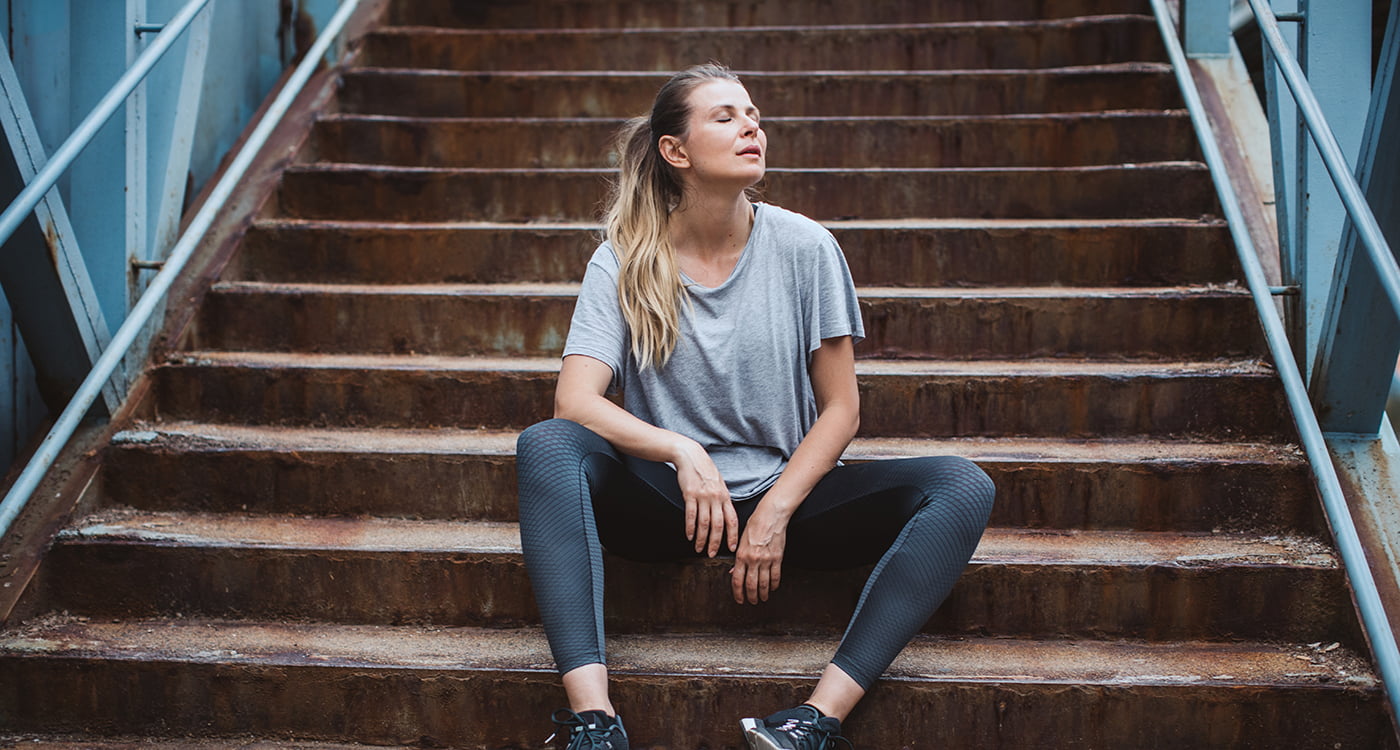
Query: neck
710,226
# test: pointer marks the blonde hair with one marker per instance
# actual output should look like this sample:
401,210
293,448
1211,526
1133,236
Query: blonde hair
649,286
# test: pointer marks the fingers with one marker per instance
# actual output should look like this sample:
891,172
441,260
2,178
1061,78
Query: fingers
751,583
731,523
719,521
702,526
736,581
691,511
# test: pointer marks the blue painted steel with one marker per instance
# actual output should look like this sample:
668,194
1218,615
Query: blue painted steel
1361,332
1205,27
135,323
43,274
1334,47
1373,616
1337,168
1284,127
25,202
178,139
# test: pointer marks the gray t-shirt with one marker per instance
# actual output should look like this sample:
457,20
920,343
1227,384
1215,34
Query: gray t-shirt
738,381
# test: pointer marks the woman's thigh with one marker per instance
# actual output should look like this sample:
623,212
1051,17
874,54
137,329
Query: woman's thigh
856,511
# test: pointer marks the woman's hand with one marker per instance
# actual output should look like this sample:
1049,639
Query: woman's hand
758,566
709,512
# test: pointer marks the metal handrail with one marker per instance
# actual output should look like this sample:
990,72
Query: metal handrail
29,197
140,314
1342,174
1368,601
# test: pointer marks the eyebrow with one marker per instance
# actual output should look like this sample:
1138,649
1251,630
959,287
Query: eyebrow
733,108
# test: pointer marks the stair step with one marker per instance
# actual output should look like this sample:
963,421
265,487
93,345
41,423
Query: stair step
470,475
980,45
1227,400
644,14
1159,190
1057,140
481,688
533,320
968,252
1158,585
90,742
411,92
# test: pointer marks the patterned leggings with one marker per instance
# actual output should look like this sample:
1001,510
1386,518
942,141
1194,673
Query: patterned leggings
920,518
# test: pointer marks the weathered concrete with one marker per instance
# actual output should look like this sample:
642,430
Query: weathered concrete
432,686
1027,44
411,93
1167,190
947,253
533,320
1064,140
1229,400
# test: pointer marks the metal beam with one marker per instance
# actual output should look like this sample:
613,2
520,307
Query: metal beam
1361,331
43,274
1205,28
1284,127
1335,53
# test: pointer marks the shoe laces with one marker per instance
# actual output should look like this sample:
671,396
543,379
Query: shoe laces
582,734
814,734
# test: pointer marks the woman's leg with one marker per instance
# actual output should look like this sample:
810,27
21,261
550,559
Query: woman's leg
921,519
572,486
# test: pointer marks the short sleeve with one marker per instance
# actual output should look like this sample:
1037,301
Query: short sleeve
598,329
836,311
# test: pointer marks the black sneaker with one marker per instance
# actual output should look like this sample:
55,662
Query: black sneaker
801,728
590,730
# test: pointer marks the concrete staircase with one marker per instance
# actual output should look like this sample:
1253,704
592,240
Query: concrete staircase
309,534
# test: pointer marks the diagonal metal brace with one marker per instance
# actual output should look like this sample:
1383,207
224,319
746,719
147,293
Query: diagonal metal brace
43,274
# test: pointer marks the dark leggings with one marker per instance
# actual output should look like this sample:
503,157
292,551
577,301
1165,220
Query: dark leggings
920,518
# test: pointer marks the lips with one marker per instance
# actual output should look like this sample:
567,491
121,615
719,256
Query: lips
751,150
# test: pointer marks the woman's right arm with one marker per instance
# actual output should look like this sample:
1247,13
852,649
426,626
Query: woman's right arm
581,397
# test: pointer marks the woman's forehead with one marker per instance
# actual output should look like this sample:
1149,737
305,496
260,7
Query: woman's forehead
721,93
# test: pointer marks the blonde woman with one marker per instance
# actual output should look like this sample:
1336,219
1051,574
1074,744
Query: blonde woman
729,327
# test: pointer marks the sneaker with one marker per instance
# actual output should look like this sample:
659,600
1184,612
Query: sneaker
590,730
801,728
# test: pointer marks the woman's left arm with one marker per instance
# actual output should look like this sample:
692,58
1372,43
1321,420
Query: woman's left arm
758,562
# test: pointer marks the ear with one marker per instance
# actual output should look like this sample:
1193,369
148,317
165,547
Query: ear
673,151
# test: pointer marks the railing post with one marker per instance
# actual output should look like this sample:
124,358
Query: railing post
1205,27
1335,53
1361,331
1285,124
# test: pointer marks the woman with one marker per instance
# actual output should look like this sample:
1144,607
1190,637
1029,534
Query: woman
729,326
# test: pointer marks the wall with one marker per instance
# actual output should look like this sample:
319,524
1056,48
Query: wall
67,54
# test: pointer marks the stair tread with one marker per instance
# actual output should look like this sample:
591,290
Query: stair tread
751,75
567,289
214,437
927,658
993,368
1112,114
1001,546
861,224
663,32
349,167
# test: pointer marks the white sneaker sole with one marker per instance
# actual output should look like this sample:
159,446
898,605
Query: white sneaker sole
756,739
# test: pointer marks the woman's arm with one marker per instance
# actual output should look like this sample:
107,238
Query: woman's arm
580,397
758,564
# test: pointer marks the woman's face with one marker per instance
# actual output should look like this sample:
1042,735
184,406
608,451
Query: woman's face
724,143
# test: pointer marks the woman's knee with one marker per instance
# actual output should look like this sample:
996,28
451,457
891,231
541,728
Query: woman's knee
962,480
551,434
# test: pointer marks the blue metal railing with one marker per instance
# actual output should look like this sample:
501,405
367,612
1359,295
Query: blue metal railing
1373,616
140,315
